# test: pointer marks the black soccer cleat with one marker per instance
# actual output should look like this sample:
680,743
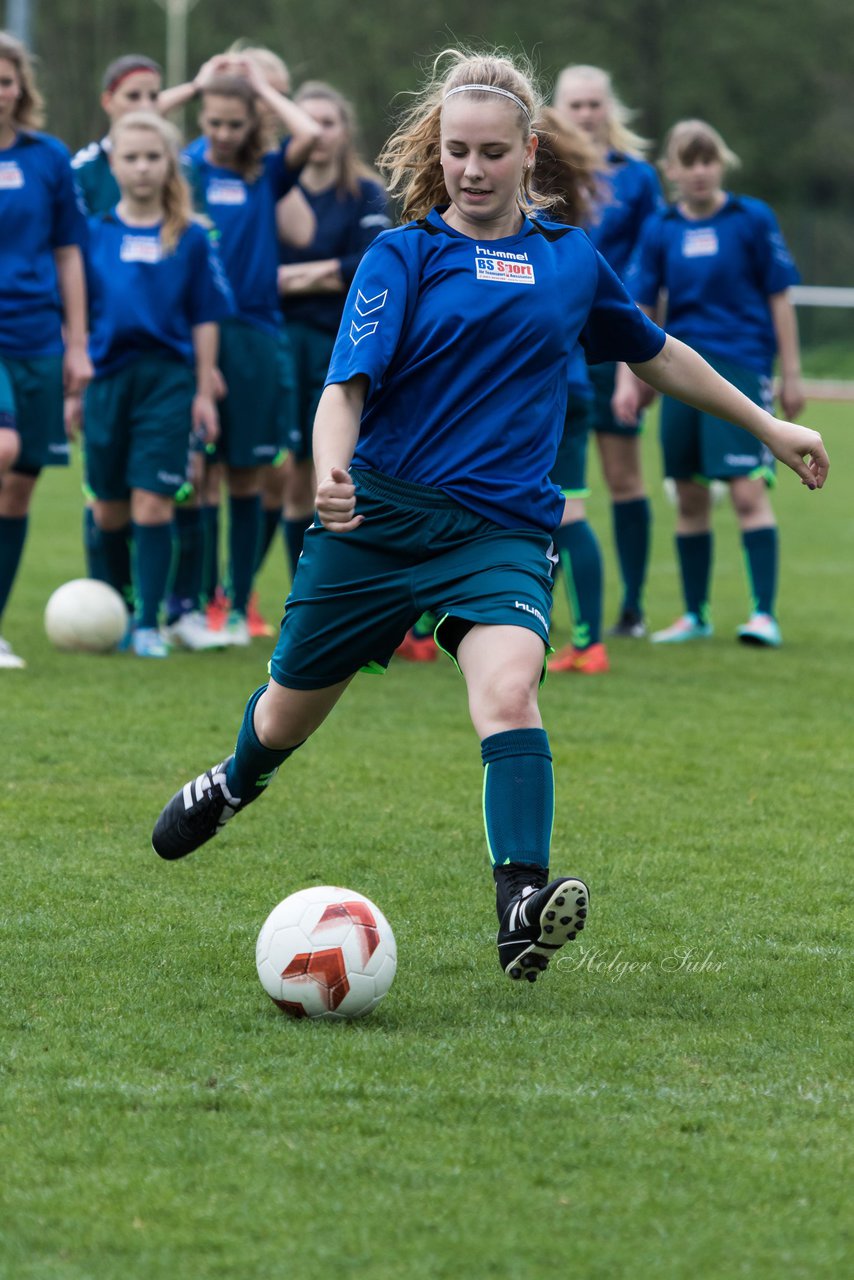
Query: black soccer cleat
196,814
630,625
537,923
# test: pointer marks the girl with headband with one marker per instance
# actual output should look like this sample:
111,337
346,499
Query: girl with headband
433,443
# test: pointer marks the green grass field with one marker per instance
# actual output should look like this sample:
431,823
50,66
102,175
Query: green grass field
669,1101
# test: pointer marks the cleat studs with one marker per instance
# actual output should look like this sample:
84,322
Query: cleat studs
571,937
549,928
565,919
516,973
531,975
560,901
582,915
581,902
550,915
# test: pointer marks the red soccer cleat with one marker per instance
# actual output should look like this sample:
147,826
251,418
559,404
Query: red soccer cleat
217,610
592,661
415,648
258,626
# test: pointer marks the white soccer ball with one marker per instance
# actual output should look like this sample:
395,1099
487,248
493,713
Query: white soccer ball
86,616
326,953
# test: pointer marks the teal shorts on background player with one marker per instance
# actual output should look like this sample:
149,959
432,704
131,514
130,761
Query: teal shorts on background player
31,401
697,446
137,425
602,377
312,349
250,362
355,595
569,472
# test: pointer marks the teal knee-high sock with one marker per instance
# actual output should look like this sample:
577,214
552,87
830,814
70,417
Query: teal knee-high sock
13,535
632,527
294,536
96,566
152,546
694,551
115,546
253,765
581,561
518,796
186,588
243,535
271,518
761,553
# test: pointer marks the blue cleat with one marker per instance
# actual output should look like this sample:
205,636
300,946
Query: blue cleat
688,627
761,629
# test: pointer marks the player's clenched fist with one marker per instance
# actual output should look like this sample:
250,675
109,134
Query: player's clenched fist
336,502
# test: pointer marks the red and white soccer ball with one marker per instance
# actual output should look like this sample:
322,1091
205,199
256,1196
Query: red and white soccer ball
326,953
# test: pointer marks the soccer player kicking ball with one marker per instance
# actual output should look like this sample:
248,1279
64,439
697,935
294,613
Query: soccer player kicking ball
433,489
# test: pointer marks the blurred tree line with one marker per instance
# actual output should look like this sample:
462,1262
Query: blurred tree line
775,76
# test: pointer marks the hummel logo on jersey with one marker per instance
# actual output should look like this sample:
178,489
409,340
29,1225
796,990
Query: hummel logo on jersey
504,266
367,306
360,331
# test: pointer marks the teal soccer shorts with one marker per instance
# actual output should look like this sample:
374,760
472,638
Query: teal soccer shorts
355,595
31,403
136,429
602,376
569,472
249,416
697,446
312,349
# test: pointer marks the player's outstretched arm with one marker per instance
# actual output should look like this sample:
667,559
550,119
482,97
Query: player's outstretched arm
336,430
680,372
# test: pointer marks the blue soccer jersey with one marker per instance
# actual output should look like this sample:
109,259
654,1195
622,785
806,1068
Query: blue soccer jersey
244,214
629,191
346,225
144,300
465,344
719,273
39,213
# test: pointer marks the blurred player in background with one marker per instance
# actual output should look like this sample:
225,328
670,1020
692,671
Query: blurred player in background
350,209
157,295
433,489
42,306
130,83
725,269
565,170
629,193
237,181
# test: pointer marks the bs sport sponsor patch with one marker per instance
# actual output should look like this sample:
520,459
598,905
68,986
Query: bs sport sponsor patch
141,249
503,266
226,191
700,242
11,176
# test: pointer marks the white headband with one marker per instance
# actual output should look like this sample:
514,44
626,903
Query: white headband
490,88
